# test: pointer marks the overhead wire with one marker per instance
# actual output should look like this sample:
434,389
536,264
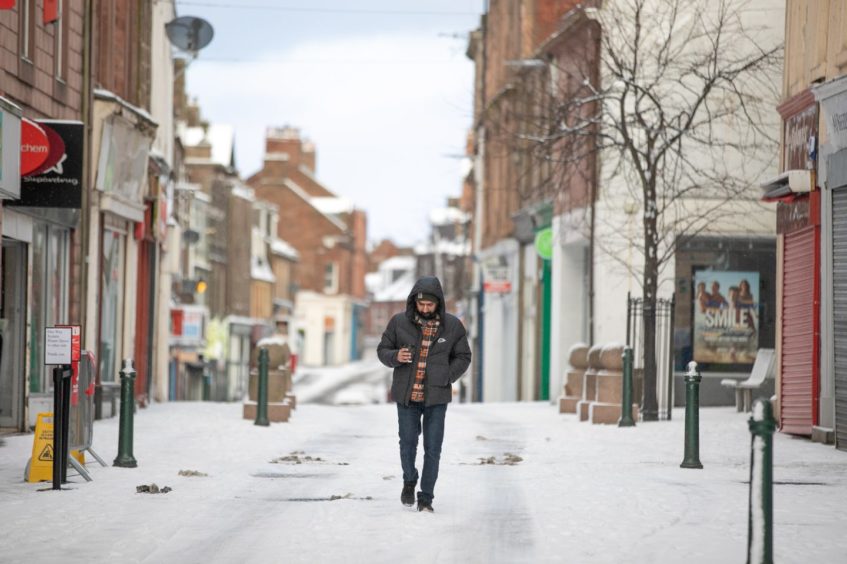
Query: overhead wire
276,8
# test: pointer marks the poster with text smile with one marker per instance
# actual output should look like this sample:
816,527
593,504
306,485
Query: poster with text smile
726,317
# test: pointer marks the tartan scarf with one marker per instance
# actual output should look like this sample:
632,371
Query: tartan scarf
428,330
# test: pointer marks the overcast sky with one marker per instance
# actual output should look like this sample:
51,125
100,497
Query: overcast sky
382,87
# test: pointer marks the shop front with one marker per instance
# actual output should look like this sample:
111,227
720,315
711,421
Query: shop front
12,287
120,156
832,177
47,214
798,226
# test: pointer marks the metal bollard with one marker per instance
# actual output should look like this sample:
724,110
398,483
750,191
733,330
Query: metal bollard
760,517
207,385
125,459
692,417
626,419
262,396
67,374
58,434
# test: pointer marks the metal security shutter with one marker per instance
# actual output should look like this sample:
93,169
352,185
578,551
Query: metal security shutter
798,333
839,312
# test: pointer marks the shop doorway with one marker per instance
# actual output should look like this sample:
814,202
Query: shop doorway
12,327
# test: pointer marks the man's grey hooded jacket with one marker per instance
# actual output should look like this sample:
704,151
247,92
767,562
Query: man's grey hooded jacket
449,354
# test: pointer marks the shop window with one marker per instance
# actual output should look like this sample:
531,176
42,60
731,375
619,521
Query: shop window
50,272
111,303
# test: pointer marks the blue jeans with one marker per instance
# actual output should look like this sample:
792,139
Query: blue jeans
409,422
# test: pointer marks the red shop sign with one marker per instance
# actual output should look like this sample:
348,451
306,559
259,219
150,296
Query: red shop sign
35,146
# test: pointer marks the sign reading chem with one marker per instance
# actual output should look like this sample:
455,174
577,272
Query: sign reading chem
51,164
35,146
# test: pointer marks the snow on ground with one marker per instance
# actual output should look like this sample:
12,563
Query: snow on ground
580,493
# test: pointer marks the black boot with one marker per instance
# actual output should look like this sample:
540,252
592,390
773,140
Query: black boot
407,497
425,504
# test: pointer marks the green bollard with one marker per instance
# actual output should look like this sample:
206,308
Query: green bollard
125,459
760,517
692,418
207,385
262,399
626,419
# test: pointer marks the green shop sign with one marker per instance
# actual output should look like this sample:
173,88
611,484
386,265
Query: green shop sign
544,243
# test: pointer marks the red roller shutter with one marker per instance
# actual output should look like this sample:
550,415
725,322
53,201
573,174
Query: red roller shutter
799,360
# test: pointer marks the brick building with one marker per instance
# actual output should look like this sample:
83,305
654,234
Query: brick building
41,80
534,182
329,235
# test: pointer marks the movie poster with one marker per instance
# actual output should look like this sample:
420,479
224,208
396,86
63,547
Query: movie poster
726,317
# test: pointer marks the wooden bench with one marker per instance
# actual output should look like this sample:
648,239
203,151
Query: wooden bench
762,370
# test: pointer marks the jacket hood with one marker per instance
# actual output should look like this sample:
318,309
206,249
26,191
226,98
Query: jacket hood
427,285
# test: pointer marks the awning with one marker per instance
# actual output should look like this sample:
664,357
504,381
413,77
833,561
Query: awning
787,185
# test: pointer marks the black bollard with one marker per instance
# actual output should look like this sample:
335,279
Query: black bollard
67,374
58,433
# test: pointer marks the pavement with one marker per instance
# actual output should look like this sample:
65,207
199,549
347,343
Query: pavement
519,482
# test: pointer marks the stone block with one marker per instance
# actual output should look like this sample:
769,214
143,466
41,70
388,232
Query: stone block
611,356
582,408
594,357
568,404
277,412
573,383
578,356
608,386
589,383
608,413
279,384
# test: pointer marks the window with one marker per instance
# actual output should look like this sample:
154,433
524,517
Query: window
330,278
49,297
111,303
60,44
26,34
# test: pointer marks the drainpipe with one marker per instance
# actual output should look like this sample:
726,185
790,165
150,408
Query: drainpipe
87,176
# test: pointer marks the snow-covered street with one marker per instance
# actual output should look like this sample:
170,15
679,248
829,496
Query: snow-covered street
573,492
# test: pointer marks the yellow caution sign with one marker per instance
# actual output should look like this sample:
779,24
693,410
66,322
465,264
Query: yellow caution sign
41,463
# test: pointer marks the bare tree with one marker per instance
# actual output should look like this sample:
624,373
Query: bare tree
668,108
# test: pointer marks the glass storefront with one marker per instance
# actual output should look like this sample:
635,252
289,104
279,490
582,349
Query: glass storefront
111,303
12,323
50,250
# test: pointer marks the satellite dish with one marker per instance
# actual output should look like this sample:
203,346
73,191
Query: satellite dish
189,33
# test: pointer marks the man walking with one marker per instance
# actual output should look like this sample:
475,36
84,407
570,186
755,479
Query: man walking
428,350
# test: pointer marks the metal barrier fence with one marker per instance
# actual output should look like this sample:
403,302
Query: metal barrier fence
664,348
82,411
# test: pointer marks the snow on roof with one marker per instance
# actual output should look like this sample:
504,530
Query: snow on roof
330,205
244,192
261,270
444,247
104,94
398,290
444,216
281,248
373,282
402,262
220,136
303,195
